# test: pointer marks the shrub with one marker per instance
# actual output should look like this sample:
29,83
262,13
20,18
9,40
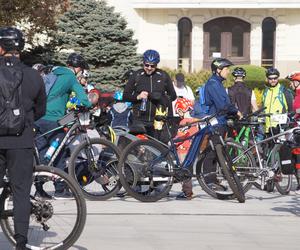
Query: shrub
255,79
194,80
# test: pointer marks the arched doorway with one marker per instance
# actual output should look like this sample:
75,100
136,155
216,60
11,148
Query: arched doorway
227,37
268,42
185,43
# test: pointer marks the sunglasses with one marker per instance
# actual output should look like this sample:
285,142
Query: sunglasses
146,65
272,78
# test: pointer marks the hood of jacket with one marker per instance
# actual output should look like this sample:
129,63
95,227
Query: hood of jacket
120,107
62,71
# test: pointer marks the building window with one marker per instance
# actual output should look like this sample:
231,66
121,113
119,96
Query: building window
268,42
184,43
237,41
226,37
214,41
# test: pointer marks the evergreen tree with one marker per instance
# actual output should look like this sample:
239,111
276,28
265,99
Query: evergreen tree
93,29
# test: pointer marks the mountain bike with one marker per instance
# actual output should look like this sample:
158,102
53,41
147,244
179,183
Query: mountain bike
54,224
147,168
92,163
268,171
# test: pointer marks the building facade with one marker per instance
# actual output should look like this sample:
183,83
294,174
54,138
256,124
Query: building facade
190,33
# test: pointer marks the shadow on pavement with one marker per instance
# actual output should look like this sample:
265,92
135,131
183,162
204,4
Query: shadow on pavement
4,243
78,248
292,206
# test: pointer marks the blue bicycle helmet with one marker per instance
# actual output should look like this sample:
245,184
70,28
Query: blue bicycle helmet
129,104
118,96
151,56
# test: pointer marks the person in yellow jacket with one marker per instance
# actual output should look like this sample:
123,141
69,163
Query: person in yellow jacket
277,99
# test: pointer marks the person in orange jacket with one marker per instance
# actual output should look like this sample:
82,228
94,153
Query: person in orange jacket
182,107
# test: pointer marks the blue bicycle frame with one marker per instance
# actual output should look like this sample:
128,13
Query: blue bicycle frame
197,140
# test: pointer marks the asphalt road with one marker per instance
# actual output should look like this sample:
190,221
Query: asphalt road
265,221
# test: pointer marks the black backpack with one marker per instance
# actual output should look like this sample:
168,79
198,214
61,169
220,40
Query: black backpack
12,113
240,96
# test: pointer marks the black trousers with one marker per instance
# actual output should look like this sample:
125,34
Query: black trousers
19,163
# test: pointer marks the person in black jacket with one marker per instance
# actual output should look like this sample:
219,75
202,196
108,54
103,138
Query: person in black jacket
151,87
16,152
240,95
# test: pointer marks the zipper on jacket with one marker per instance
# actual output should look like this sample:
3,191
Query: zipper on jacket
150,102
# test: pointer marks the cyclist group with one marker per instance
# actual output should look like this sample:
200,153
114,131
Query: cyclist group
40,97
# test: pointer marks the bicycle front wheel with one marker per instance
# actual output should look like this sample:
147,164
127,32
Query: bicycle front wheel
55,223
229,173
145,169
211,178
93,165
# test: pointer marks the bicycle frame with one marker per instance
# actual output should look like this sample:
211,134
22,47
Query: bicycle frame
255,145
74,125
191,156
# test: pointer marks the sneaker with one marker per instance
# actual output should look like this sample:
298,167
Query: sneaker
63,195
43,194
21,246
183,196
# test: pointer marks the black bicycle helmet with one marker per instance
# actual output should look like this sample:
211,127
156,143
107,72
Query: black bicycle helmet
239,72
272,71
11,39
220,63
77,61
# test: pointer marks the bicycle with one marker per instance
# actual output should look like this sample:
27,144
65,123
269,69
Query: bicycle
83,164
147,168
209,173
54,224
266,152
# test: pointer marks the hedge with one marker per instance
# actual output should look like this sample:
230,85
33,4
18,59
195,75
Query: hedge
255,79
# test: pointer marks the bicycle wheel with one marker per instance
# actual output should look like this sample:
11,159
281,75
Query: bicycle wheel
210,175
93,165
283,183
151,167
229,173
54,223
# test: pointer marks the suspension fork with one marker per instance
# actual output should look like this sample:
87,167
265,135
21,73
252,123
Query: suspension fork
89,150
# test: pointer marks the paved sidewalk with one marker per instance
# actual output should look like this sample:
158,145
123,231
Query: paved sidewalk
265,221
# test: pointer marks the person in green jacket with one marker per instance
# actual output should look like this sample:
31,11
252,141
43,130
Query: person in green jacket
58,96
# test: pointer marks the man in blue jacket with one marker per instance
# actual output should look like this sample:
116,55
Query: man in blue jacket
217,99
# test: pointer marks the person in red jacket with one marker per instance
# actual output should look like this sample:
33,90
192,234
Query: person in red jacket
295,85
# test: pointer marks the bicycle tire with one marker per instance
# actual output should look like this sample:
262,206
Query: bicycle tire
72,169
284,190
122,164
80,219
230,175
201,175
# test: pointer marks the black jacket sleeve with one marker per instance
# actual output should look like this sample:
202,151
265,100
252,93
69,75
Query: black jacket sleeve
129,94
40,100
170,88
